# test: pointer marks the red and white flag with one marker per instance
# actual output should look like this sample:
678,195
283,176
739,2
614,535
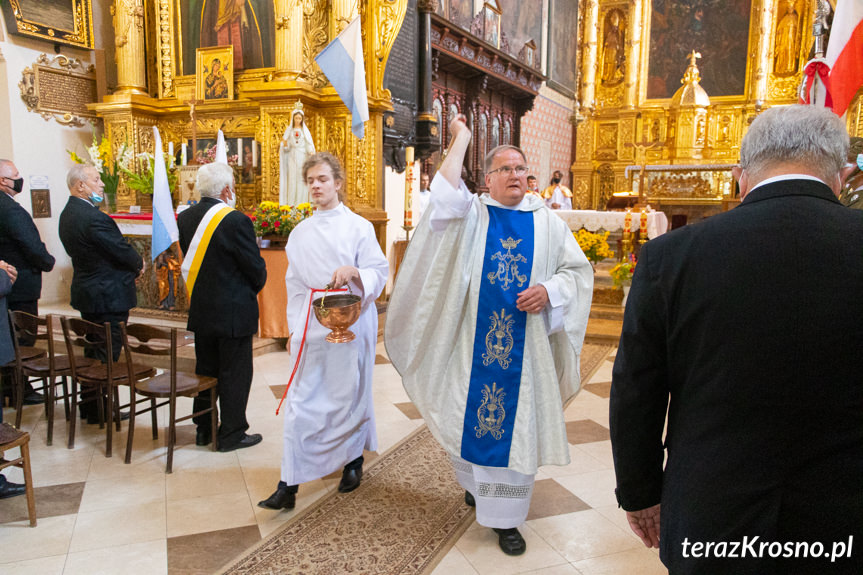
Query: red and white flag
845,53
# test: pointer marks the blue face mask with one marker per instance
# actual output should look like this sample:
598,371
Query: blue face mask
96,198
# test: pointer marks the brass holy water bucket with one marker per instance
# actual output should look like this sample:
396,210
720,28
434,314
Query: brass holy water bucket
338,312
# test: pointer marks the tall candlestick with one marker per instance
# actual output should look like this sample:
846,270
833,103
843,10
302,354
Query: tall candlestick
183,154
627,221
409,181
240,152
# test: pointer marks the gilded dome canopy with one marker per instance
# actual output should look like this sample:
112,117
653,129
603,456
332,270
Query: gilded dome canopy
691,93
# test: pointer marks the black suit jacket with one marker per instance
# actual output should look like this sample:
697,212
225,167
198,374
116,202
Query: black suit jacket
747,327
224,302
105,265
21,246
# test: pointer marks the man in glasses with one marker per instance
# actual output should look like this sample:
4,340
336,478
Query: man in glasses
557,196
485,326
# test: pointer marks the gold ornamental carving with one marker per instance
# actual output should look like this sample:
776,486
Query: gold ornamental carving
316,17
583,141
387,18
627,136
59,88
680,186
25,23
612,63
128,16
580,194
165,48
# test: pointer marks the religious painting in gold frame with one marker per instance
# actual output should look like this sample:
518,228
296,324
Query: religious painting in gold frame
713,28
67,22
214,74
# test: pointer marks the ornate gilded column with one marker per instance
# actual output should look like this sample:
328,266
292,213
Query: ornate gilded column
758,93
129,40
633,65
588,87
344,11
289,34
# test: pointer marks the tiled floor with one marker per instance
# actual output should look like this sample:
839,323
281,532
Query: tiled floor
98,515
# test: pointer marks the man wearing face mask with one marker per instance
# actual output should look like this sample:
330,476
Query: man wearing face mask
224,272
557,196
104,264
22,247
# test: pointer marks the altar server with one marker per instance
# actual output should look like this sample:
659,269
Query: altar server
329,417
485,326
557,196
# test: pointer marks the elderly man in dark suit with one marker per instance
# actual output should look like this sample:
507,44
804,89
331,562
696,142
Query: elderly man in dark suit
736,327
224,272
8,274
22,247
104,264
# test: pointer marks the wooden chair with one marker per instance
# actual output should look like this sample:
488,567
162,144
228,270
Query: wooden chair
103,377
22,353
47,369
10,438
155,341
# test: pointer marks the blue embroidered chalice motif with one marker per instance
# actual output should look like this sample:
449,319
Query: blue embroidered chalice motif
491,413
507,267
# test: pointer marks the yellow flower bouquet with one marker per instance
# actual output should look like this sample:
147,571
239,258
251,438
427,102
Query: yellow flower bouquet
594,246
269,218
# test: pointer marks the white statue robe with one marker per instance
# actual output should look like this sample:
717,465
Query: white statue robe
329,415
296,146
432,318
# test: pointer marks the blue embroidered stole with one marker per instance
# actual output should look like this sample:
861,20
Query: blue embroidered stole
498,348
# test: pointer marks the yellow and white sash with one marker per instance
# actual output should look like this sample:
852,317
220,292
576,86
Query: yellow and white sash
200,242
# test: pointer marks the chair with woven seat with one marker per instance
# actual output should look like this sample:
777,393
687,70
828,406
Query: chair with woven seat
168,385
10,438
102,377
47,368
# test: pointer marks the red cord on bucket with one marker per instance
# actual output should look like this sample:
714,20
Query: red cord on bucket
303,341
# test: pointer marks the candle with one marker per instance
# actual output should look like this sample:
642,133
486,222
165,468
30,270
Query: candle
183,154
240,152
171,154
627,221
254,153
642,226
409,181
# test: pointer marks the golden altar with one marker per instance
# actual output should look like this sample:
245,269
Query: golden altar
157,86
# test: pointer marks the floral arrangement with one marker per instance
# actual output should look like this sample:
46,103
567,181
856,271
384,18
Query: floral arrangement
594,246
208,156
269,218
621,274
142,179
109,166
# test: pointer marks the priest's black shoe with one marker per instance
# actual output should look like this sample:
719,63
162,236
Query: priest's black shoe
9,489
469,500
246,441
203,437
283,498
350,479
510,540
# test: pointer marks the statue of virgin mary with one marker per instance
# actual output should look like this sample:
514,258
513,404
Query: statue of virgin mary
295,147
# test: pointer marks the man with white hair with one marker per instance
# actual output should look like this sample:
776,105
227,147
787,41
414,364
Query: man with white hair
735,329
104,264
224,272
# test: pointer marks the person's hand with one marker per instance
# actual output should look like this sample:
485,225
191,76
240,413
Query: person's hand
343,275
458,126
533,299
645,524
555,206
10,270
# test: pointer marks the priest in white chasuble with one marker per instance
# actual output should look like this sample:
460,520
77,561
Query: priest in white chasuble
329,417
486,325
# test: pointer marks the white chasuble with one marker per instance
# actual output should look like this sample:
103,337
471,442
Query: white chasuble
329,417
433,325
